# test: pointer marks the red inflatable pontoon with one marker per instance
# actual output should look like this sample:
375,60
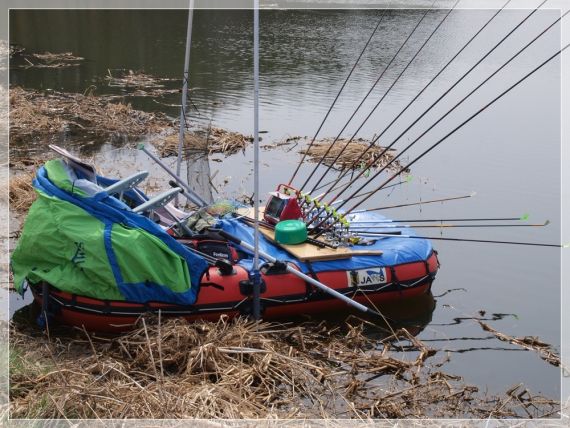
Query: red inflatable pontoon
284,295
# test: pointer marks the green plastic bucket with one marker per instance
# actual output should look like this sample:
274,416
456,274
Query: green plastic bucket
291,232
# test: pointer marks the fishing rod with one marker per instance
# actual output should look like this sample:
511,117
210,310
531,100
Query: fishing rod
485,241
525,217
502,94
384,96
445,225
322,186
385,188
406,181
337,96
412,203
443,95
364,99
373,142
448,112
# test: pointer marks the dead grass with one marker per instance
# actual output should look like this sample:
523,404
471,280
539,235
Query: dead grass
129,78
212,140
240,369
58,59
330,150
21,194
45,59
144,85
36,114
531,343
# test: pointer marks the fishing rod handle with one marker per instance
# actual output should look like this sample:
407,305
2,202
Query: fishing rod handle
229,237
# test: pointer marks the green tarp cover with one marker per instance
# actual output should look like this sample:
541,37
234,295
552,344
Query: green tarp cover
81,248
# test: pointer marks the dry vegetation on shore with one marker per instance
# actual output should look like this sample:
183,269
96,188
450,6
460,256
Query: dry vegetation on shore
173,369
21,193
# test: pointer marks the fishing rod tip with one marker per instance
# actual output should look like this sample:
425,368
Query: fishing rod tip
140,146
524,217
547,222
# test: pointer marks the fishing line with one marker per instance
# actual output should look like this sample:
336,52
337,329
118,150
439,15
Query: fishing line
385,95
469,119
374,140
337,96
449,111
502,94
444,94
413,203
522,218
366,97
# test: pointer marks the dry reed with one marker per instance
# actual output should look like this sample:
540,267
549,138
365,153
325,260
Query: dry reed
36,114
531,343
129,78
21,194
139,84
46,59
66,58
241,369
212,140
350,153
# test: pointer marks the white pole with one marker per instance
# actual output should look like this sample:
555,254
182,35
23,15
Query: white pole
184,89
256,282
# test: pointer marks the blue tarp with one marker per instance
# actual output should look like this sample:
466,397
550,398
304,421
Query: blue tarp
395,250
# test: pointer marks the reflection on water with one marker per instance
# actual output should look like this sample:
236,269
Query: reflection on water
413,314
509,155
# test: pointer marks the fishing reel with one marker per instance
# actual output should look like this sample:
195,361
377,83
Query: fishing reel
288,203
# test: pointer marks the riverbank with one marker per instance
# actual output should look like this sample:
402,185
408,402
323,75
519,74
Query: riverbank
240,369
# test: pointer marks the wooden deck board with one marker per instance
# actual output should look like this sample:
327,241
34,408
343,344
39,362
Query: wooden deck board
309,252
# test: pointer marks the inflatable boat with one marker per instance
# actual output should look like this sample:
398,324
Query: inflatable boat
97,253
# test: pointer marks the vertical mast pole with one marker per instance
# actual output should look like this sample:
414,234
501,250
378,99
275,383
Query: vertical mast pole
256,278
184,90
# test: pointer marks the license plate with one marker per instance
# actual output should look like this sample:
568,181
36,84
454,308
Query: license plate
367,277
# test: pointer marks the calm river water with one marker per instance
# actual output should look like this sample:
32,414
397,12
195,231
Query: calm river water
509,155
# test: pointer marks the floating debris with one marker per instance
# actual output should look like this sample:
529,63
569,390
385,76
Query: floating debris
135,79
351,154
286,142
153,93
211,140
16,50
140,84
531,343
39,114
46,59
241,369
